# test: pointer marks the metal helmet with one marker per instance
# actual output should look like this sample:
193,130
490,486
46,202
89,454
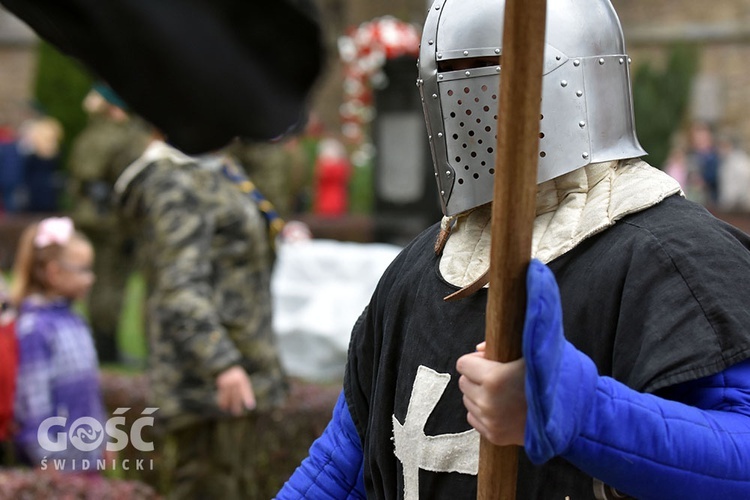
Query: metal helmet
587,108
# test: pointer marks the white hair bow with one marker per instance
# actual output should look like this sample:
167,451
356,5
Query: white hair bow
53,231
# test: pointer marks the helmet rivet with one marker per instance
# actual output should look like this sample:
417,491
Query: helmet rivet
440,77
434,96
442,193
430,137
629,60
497,51
576,63
448,173
601,61
564,83
437,7
579,93
497,69
585,156
558,58
468,73
582,124
466,52
431,42
440,55
440,135
622,61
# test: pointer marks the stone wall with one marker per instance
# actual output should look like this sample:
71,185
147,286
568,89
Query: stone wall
721,30
17,67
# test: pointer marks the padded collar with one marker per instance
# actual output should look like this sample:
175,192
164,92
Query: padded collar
569,209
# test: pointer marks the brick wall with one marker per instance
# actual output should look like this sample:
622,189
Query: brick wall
665,12
17,66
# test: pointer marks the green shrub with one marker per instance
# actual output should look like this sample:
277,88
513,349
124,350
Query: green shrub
59,88
661,100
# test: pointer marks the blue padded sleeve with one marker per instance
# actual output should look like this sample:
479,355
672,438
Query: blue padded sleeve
335,466
694,445
650,447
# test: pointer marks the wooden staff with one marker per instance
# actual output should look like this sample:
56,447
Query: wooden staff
513,212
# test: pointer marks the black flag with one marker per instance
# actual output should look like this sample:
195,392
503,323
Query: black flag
202,71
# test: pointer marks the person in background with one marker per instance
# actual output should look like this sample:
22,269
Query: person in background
29,167
203,238
58,370
112,139
685,172
278,169
734,176
12,192
42,177
704,159
331,181
8,369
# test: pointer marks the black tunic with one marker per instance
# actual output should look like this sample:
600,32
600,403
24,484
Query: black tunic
658,299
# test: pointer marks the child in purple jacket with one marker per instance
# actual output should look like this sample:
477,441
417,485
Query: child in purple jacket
58,407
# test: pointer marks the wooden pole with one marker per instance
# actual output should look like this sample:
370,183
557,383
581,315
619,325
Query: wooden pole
513,212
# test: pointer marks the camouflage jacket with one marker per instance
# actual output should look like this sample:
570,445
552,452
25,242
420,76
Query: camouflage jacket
99,154
204,249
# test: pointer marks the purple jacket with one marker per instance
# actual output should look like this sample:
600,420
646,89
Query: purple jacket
58,376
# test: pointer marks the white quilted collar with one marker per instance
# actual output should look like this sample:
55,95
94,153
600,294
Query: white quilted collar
570,208
160,150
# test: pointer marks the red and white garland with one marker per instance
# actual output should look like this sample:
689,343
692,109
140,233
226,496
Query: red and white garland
364,51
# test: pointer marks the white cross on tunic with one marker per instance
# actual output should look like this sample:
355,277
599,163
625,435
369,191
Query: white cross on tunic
441,453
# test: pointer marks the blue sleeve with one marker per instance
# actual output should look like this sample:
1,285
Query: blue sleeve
334,468
695,445
675,450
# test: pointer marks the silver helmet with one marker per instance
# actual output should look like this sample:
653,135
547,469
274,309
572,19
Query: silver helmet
587,109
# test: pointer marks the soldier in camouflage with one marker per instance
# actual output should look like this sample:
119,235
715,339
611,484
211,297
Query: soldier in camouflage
111,141
279,169
204,248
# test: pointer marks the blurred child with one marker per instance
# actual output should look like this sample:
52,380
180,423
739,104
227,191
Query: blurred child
8,366
58,369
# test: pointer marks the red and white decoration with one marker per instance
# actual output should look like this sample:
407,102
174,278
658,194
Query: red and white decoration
364,51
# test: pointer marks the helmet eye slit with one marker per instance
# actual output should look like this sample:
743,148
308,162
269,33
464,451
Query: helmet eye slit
468,63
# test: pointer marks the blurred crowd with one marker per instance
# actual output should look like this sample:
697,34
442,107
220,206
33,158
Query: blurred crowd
304,173
30,175
712,167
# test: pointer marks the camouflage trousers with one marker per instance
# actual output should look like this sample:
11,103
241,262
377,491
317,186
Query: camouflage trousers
215,459
112,266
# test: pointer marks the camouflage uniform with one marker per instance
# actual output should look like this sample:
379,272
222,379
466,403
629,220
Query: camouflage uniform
100,152
206,257
279,169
